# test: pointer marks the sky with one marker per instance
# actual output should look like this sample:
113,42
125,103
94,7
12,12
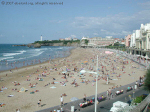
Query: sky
25,23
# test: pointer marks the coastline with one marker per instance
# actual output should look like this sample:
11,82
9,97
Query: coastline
28,102
37,63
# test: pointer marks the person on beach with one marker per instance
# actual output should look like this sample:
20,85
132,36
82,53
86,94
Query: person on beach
17,110
39,103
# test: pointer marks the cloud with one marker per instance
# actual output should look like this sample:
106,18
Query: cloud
1,35
145,5
119,24
95,34
72,36
56,21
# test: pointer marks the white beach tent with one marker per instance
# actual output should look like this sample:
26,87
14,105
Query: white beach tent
115,109
118,106
82,71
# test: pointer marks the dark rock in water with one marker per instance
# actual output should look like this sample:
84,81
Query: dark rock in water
30,45
37,45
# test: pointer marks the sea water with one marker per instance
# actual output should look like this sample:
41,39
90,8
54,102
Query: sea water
18,56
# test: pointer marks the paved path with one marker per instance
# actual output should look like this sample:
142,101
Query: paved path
105,106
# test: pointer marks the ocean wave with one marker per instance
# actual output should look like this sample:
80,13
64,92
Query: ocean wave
12,54
35,54
22,51
37,49
60,48
16,59
4,58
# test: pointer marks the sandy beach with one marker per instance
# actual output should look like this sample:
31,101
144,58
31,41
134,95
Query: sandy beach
47,81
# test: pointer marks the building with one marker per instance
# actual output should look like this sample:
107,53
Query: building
98,41
75,39
140,41
122,42
61,39
116,40
68,39
127,40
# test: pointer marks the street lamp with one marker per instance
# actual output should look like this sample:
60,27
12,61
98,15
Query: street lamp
133,94
83,71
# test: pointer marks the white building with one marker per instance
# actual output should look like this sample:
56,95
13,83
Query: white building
140,41
99,41
68,38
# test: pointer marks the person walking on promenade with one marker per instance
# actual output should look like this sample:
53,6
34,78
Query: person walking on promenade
84,98
109,91
61,100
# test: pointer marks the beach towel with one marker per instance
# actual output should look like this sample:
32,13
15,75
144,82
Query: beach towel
53,87
32,92
2,104
10,95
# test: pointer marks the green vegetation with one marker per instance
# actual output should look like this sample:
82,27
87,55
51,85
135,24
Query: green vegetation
65,42
117,45
147,81
139,98
86,41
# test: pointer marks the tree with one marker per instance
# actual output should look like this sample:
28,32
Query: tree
86,41
147,81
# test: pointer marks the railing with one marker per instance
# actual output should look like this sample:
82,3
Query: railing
142,105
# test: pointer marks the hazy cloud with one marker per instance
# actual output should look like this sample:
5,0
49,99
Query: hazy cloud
114,25
72,36
145,5
1,35
95,34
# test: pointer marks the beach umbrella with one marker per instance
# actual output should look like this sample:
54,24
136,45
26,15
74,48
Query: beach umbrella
85,61
82,71
74,99
22,89
64,72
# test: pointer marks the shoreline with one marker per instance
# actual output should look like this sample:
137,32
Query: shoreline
37,63
50,96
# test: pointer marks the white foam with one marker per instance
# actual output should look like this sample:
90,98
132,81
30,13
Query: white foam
60,48
16,59
22,51
36,54
4,58
12,54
